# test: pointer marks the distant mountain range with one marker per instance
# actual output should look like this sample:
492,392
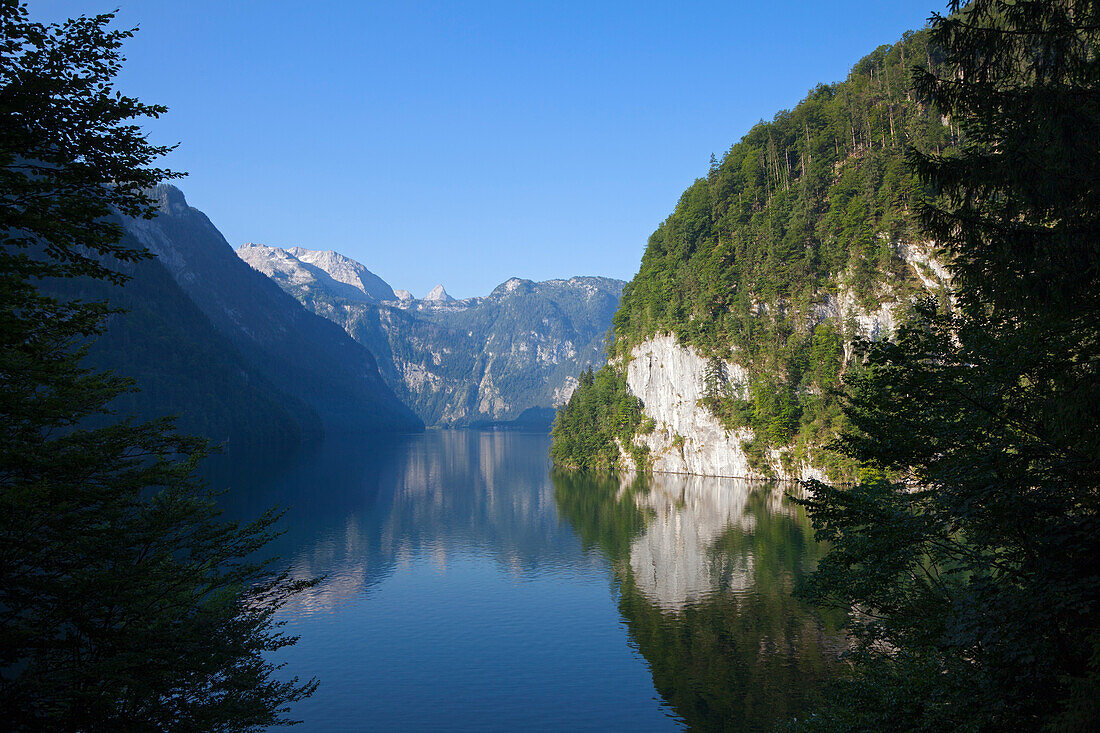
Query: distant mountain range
509,357
208,338
235,355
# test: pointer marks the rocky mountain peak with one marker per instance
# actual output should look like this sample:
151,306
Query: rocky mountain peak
169,197
327,270
438,295
346,270
514,285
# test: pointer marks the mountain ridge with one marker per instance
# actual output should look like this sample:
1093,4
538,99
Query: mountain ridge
483,360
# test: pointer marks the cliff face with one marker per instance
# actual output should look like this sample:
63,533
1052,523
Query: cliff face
670,380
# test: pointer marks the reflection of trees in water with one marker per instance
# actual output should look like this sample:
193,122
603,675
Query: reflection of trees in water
706,570
432,497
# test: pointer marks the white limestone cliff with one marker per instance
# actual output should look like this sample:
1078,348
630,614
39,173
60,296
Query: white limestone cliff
668,378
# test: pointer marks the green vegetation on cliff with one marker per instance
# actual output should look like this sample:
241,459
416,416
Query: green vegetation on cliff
972,577
801,222
601,415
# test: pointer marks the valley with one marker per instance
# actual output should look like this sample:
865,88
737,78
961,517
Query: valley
508,359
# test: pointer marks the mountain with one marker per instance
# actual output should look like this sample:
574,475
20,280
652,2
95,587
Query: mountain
438,295
509,357
208,338
329,270
184,367
752,296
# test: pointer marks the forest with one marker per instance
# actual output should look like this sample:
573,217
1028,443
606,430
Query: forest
819,200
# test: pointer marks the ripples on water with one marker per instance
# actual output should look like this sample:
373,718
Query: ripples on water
467,587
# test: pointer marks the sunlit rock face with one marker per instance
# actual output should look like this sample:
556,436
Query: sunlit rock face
674,562
310,268
458,362
438,295
669,378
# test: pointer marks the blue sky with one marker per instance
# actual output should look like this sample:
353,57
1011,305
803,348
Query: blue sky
469,142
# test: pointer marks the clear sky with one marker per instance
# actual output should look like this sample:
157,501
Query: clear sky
464,143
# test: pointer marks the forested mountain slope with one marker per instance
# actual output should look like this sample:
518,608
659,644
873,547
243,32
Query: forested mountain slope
512,355
751,294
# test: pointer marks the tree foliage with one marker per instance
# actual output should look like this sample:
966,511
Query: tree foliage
808,206
125,603
967,555
601,416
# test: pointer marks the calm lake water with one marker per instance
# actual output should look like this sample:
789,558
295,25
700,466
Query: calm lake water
469,587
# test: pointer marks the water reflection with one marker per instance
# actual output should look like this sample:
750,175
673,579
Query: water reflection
454,596
467,588
706,569
358,511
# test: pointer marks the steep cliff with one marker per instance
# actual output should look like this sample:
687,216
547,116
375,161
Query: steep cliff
510,356
752,297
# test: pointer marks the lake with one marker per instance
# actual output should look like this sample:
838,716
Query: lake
467,586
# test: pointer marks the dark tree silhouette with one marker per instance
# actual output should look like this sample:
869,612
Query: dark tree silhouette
125,602
968,552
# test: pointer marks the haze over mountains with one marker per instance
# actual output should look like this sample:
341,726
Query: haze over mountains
512,355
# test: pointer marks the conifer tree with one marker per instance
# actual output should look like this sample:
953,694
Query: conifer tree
968,551
125,602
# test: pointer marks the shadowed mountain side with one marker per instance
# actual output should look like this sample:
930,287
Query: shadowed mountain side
303,355
183,367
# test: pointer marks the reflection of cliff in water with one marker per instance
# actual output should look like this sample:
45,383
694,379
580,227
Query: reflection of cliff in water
358,510
670,562
706,569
